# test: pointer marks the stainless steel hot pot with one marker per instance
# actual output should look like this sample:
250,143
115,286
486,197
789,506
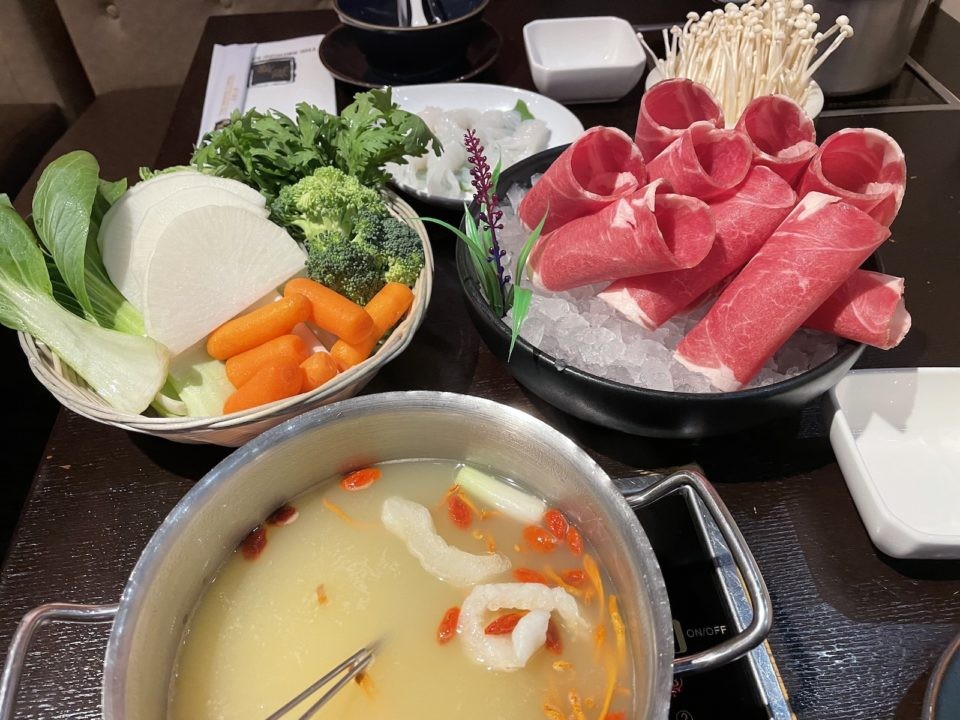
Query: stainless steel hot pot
208,523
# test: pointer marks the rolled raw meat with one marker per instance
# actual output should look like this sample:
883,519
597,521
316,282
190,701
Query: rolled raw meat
864,167
782,135
704,161
647,232
744,218
601,166
867,308
819,245
669,108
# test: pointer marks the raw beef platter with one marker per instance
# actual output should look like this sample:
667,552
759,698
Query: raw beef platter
750,234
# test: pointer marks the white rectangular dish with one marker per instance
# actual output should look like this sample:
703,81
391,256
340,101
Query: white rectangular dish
896,434
583,59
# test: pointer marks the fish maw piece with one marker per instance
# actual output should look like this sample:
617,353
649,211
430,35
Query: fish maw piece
864,167
648,232
867,308
819,245
600,167
511,652
704,162
669,108
782,135
412,523
530,634
744,219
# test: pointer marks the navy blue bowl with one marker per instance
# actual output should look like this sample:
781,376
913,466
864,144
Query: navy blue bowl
628,408
375,27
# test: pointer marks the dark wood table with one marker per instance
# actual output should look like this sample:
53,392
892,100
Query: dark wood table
855,632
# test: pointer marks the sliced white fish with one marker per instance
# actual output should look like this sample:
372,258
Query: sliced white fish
506,139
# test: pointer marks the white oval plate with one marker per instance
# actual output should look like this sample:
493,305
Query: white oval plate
812,107
563,125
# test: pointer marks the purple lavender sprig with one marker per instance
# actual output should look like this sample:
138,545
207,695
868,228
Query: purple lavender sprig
486,198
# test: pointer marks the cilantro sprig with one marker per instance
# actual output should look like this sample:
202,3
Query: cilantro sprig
269,150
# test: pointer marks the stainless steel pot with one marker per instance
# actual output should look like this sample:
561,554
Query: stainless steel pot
208,523
884,31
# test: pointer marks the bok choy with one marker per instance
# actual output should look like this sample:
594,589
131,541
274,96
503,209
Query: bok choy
125,370
68,205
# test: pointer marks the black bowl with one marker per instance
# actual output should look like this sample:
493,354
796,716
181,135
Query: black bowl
631,409
386,45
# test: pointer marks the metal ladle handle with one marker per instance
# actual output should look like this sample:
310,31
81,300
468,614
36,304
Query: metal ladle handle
31,622
751,636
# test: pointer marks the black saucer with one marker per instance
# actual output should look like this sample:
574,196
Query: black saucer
341,55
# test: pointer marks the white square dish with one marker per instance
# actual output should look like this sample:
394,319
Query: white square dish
583,59
896,435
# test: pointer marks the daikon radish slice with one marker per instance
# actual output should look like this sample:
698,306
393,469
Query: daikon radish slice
123,219
126,256
210,264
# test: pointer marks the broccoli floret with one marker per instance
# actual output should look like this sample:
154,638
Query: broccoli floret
327,201
395,244
344,266
353,244
402,252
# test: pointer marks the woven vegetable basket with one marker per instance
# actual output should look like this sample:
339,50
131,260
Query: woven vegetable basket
235,429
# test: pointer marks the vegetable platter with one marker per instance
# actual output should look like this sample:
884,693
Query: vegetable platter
209,302
233,430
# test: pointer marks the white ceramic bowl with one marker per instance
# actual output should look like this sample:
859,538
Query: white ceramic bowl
584,59
896,434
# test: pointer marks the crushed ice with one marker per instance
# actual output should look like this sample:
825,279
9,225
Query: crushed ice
578,329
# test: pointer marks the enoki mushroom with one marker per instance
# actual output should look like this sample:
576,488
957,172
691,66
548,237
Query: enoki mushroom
762,47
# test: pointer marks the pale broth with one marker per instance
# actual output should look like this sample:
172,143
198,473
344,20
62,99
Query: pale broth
335,579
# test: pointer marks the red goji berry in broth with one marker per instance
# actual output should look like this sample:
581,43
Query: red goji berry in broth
448,625
360,479
505,624
539,539
283,515
459,512
553,643
254,543
556,523
526,575
574,541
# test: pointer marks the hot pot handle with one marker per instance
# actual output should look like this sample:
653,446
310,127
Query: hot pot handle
751,636
17,654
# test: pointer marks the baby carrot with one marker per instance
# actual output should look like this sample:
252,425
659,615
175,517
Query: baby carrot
242,367
270,383
255,328
332,311
386,308
317,369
